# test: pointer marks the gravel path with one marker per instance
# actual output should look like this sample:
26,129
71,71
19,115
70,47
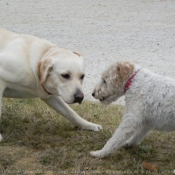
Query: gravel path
102,31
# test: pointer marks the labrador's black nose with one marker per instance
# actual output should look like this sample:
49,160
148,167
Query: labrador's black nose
78,97
93,94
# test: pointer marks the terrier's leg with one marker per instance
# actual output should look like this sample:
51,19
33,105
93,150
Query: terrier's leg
126,129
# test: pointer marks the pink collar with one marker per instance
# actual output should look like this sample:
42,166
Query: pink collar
128,83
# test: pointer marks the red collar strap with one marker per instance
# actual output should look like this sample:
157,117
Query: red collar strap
46,90
129,82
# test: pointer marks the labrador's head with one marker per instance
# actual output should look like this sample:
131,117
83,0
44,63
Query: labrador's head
61,71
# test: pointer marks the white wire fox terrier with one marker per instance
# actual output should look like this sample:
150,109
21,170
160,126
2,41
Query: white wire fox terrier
149,103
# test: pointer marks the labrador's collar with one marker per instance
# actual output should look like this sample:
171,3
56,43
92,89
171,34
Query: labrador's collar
46,90
129,82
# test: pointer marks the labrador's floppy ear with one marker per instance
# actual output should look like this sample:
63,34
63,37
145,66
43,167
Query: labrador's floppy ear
77,54
44,67
125,70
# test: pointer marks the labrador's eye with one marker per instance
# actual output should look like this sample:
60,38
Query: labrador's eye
65,76
104,81
82,77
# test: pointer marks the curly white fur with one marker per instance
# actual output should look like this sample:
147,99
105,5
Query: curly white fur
150,104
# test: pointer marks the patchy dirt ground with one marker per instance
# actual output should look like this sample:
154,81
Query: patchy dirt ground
102,31
37,141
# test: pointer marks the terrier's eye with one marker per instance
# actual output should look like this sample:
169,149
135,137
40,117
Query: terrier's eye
104,81
65,76
82,77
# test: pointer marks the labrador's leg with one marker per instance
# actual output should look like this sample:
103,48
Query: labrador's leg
61,107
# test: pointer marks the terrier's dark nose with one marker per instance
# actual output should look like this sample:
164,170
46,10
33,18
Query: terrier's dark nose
78,97
93,94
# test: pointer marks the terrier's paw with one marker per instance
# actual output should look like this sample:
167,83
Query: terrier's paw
98,154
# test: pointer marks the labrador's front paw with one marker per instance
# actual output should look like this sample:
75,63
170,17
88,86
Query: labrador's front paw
97,127
92,127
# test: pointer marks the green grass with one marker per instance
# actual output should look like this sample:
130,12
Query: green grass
37,141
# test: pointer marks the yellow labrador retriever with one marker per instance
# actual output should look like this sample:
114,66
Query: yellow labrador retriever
33,67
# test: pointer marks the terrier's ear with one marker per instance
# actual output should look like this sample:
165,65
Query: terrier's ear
44,68
124,70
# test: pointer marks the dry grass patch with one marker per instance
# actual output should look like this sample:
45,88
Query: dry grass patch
39,141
